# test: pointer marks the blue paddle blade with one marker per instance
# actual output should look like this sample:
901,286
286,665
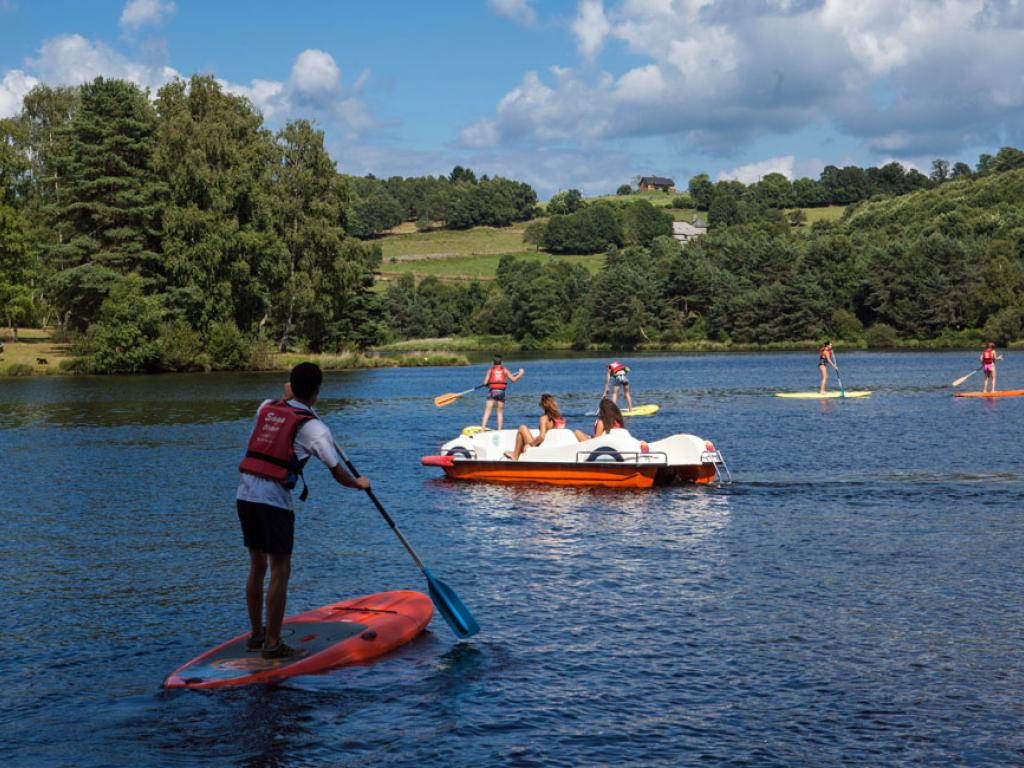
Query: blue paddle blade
455,613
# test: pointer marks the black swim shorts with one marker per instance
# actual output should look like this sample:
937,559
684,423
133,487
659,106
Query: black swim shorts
498,395
266,528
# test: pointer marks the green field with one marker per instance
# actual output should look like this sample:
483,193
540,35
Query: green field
828,213
451,242
473,254
475,266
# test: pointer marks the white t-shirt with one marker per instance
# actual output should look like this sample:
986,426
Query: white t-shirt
312,439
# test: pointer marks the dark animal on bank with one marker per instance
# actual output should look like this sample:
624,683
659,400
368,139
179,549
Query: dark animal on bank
41,361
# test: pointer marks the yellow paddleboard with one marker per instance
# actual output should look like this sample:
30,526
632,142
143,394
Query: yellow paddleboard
642,410
827,395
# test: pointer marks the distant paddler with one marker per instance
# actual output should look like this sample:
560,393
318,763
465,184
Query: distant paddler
620,373
826,357
496,380
988,366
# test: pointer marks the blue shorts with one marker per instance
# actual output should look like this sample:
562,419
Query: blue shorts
620,378
498,395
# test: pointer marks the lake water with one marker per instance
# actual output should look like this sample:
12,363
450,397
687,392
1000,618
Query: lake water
853,599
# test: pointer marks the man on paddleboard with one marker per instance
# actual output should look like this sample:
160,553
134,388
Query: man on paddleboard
287,432
497,379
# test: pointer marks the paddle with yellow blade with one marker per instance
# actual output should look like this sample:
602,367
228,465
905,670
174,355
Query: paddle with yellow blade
447,399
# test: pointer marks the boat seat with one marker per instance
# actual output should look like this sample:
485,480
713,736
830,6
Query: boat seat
559,437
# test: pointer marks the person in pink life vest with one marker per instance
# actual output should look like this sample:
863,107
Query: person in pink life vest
550,419
620,373
988,367
497,379
286,434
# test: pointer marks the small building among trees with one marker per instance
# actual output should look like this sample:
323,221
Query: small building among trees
685,231
652,183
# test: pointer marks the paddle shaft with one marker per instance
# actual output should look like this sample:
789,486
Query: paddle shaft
383,512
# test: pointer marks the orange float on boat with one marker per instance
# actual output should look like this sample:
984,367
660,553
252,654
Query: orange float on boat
336,635
614,460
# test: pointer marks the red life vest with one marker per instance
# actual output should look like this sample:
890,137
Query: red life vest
988,356
496,377
271,449
616,367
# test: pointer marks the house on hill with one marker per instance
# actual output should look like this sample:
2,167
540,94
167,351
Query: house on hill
652,183
685,231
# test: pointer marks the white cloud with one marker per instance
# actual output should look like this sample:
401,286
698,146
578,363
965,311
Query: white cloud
141,13
752,172
13,88
481,134
316,76
518,10
73,60
898,76
591,27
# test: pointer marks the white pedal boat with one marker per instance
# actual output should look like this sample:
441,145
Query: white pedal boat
616,459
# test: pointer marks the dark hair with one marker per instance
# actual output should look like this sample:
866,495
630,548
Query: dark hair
609,414
550,406
497,359
306,379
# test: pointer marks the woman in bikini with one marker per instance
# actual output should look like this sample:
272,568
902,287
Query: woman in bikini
609,417
550,419
825,358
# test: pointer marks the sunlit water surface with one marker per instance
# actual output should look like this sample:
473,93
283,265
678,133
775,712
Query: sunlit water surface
853,599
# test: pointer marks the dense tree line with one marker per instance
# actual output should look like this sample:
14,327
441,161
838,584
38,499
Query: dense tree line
457,201
732,202
153,227
947,262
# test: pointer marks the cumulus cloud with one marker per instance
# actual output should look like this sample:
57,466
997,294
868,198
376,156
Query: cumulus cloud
518,10
314,89
315,76
899,76
141,13
752,172
13,88
591,27
73,60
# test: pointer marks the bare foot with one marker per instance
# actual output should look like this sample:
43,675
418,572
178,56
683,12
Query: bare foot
509,456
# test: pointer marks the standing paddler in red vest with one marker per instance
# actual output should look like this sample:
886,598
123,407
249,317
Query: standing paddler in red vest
496,379
988,366
287,432
620,373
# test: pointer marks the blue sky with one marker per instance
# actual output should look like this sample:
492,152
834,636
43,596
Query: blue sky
569,93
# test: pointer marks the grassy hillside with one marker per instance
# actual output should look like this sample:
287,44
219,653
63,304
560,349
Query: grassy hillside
473,254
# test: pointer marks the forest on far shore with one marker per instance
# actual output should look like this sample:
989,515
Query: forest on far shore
177,232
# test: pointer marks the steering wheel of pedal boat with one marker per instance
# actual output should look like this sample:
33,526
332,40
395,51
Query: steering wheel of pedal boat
604,453
459,451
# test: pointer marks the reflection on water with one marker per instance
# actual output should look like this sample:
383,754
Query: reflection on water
851,600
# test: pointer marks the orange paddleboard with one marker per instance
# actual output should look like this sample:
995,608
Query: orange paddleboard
1003,393
336,635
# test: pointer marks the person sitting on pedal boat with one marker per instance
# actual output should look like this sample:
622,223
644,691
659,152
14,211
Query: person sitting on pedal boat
550,419
609,417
